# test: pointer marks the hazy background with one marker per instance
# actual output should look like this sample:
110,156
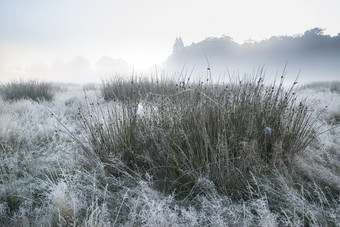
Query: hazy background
84,40
311,55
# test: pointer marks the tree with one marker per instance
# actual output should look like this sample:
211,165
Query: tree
314,32
178,45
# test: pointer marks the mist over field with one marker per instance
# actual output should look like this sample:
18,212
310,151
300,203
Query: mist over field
169,113
313,55
191,142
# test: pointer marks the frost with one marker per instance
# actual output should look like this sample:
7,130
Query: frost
47,179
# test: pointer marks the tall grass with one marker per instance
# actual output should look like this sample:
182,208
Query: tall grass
225,133
215,147
138,88
32,89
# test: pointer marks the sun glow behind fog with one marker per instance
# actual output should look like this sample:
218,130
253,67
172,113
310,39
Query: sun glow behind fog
143,61
143,32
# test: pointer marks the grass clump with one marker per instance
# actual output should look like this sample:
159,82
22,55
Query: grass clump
31,89
225,133
137,89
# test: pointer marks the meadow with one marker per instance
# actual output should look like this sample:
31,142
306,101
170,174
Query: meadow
157,151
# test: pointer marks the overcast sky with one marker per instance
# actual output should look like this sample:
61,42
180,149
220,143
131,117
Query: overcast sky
143,31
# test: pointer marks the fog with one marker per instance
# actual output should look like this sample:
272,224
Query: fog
86,40
77,70
313,56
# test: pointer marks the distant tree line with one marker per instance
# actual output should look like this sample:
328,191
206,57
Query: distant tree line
312,51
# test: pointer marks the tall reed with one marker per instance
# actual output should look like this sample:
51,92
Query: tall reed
225,133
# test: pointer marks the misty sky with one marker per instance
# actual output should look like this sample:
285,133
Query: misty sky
143,31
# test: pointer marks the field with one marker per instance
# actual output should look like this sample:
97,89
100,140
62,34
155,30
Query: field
158,152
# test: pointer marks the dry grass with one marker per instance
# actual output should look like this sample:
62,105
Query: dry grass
225,133
198,154
32,89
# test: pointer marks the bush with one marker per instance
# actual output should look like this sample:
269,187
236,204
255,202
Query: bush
225,133
32,89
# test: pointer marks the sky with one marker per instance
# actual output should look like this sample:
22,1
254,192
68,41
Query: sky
142,32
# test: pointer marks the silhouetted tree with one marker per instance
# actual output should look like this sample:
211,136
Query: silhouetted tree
314,52
178,44
314,32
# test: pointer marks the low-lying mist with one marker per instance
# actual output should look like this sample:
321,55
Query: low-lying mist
313,56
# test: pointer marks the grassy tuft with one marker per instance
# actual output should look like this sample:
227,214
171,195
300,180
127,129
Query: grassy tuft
137,89
32,89
225,133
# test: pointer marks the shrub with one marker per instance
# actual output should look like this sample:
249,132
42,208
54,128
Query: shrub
32,89
225,133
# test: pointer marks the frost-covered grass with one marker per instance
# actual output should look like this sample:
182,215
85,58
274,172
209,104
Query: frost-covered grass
333,86
137,88
198,154
225,133
31,89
